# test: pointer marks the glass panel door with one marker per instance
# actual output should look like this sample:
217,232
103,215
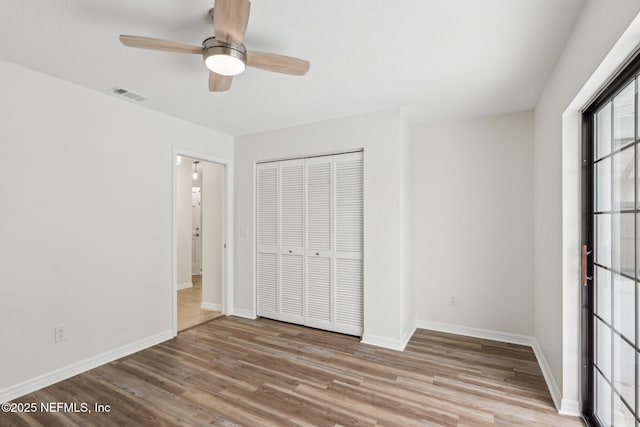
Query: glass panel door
613,208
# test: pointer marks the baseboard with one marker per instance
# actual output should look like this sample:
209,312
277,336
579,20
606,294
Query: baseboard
243,312
563,406
552,385
476,332
210,306
570,407
384,342
45,380
182,286
406,337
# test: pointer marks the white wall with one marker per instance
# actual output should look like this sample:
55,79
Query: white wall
379,134
90,243
213,234
184,214
556,232
473,225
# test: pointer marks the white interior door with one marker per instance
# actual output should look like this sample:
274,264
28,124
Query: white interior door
196,231
267,240
292,241
309,242
348,214
319,292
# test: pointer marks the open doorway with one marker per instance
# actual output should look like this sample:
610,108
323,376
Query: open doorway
199,223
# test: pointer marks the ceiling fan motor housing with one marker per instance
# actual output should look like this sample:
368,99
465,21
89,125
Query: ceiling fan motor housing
224,58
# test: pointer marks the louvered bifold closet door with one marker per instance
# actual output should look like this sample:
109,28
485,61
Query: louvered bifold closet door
348,214
267,239
292,241
319,242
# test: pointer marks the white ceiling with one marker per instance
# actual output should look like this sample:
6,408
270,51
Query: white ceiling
441,59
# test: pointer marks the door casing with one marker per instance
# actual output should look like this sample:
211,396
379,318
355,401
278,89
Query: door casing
227,274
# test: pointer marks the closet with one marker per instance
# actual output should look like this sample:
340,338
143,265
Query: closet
309,241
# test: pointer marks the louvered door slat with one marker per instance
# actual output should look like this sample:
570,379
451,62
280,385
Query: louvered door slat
292,241
292,202
349,240
267,238
268,285
348,296
291,305
319,204
318,289
348,204
268,205
318,292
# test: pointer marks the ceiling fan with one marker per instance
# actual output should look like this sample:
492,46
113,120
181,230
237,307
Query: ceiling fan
224,54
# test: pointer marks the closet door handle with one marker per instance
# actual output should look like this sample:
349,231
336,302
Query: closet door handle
317,253
290,251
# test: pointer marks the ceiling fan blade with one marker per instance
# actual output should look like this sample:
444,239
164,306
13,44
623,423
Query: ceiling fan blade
278,63
230,19
218,82
157,44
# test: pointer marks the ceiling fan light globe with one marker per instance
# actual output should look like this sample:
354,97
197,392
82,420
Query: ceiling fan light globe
224,58
224,64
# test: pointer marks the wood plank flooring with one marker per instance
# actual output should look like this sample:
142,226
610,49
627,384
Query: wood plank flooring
190,313
233,371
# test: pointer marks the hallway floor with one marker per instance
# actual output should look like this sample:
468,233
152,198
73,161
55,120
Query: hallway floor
190,313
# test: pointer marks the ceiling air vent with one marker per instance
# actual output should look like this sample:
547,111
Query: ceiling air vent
128,94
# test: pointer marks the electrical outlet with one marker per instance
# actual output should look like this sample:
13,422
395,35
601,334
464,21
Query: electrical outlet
453,301
61,333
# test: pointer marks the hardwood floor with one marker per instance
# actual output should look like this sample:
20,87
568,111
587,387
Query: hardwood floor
190,313
234,371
